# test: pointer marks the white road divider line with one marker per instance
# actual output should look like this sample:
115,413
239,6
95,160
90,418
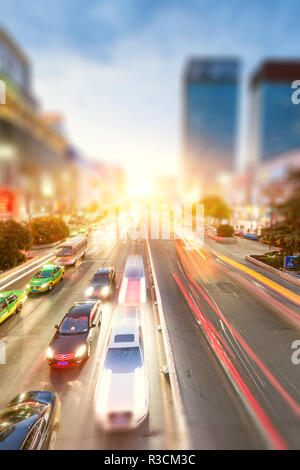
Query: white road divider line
176,395
45,258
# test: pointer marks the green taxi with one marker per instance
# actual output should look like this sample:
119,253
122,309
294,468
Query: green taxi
11,302
45,278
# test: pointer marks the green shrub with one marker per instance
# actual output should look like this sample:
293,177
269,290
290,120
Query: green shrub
225,230
46,230
10,256
272,259
15,238
216,208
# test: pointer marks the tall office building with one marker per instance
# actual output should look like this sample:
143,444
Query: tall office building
32,152
210,108
274,125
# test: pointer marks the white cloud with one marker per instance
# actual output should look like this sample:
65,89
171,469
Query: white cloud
128,109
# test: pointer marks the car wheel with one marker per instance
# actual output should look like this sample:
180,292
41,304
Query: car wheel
52,440
19,307
62,276
50,286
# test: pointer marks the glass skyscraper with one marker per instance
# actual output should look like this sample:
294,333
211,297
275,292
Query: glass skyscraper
210,100
274,125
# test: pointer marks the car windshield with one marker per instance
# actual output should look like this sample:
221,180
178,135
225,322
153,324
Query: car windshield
64,251
134,272
16,413
43,274
126,338
123,360
74,325
100,278
3,305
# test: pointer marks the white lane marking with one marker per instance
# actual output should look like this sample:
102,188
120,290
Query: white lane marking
28,272
238,348
21,268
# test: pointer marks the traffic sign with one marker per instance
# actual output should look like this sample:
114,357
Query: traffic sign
291,262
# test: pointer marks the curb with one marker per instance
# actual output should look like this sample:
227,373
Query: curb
272,270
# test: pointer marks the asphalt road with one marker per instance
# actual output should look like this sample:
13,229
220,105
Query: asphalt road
252,401
245,247
28,334
257,343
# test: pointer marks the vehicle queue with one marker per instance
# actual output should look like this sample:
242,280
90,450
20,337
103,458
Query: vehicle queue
122,376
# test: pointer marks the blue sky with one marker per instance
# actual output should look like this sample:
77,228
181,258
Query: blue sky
113,67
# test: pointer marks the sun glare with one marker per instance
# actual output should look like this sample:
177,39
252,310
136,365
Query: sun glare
140,186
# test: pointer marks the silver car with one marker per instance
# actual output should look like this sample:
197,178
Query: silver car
121,395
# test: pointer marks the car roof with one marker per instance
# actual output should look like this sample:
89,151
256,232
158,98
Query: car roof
103,270
134,260
9,292
134,266
47,267
125,328
81,308
50,266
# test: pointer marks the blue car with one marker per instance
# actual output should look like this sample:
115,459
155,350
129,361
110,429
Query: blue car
251,236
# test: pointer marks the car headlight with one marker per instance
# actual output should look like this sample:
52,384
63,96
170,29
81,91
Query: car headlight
49,353
44,285
28,286
89,291
80,351
105,290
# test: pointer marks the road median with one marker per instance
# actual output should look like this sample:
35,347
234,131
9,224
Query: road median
281,274
176,395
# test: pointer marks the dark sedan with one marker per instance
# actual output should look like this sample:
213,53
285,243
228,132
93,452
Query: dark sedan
72,342
30,421
102,284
